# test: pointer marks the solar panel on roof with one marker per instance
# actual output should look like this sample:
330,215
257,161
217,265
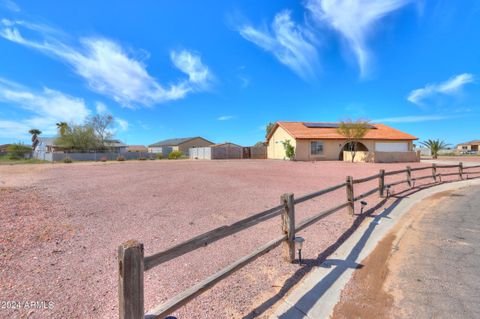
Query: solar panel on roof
329,125
321,125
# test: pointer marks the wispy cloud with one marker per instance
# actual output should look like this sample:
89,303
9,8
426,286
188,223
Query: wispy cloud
289,42
110,69
122,124
225,117
416,118
355,20
45,108
10,5
101,107
449,87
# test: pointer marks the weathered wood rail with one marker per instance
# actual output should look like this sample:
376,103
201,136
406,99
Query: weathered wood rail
132,263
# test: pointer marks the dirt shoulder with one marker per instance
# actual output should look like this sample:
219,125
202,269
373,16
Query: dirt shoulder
377,289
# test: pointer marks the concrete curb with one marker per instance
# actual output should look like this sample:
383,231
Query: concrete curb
319,292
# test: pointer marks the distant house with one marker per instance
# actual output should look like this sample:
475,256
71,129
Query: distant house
473,146
48,145
178,144
321,141
3,148
137,148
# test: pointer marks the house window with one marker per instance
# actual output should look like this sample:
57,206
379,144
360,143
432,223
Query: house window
316,148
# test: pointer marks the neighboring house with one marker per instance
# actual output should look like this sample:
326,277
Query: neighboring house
178,144
116,146
47,145
137,148
321,141
3,148
469,146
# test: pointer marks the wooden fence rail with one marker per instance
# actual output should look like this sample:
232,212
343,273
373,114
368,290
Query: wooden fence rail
132,264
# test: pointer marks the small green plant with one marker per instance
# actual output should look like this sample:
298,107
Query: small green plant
18,151
67,160
289,150
142,158
159,156
120,158
175,155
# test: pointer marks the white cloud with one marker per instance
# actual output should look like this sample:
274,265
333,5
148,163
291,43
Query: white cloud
45,108
122,124
355,20
289,42
109,69
416,118
13,130
198,74
10,5
449,87
101,108
225,118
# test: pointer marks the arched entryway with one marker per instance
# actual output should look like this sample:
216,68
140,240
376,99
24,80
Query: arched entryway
348,147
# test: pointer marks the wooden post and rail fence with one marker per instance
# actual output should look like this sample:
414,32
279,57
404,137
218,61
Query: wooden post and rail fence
132,263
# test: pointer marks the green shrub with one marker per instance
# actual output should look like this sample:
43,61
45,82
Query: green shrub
289,150
18,151
159,156
175,155
120,158
67,160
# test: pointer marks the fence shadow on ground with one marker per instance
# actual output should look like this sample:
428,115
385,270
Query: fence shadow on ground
341,265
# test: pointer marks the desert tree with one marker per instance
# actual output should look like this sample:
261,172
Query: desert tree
269,128
101,125
434,146
353,131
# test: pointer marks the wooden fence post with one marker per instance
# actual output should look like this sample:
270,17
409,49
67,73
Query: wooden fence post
381,183
130,280
288,226
409,176
350,195
434,172
460,170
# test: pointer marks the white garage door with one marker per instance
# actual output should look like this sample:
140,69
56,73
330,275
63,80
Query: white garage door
392,147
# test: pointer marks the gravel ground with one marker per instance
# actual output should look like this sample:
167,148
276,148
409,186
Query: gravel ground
64,222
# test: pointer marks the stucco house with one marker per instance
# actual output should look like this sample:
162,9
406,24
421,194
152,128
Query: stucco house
321,141
472,146
47,145
178,144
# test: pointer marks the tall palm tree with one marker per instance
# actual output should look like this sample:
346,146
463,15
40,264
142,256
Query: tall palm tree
35,132
434,146
62,128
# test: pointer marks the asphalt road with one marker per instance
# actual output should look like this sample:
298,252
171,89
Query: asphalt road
437,273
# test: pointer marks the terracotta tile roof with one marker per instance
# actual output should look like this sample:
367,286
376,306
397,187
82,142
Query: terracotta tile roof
299,131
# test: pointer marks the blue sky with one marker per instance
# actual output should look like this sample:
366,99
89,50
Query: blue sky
223,69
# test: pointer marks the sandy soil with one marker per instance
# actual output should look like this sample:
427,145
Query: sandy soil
369,293
63,223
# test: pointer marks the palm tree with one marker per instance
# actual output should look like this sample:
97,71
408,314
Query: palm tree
62,128
35,132
434,146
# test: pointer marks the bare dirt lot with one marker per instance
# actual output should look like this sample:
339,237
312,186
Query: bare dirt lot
62,223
